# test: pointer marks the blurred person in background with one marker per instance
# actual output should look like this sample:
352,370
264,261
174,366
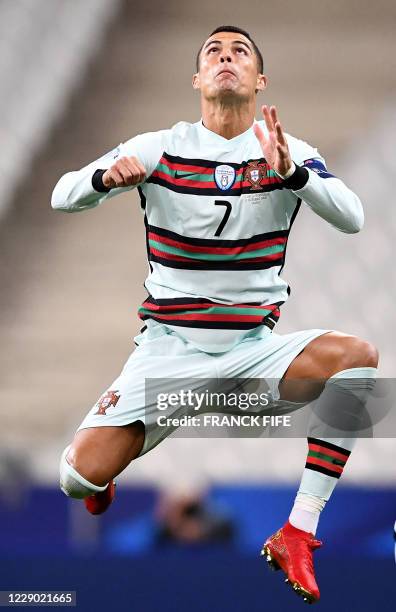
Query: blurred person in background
220,197
190,519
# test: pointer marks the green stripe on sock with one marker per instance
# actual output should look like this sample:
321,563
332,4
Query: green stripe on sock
327,458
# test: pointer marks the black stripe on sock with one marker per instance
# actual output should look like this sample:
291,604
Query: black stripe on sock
322,470
325,444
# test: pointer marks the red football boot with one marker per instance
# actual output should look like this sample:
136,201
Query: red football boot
290,549
99,502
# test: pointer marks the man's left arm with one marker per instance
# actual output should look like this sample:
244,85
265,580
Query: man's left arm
325,194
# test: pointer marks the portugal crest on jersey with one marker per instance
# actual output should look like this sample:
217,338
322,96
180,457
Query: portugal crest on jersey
224,176
110,398
254,173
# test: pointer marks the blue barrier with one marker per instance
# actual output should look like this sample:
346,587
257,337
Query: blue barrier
116,561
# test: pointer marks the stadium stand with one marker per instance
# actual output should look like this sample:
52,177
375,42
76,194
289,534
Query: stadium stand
44,50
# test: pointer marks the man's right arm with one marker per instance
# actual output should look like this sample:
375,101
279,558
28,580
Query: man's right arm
119,170
88,187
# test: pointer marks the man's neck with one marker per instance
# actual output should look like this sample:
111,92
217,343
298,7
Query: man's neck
227,120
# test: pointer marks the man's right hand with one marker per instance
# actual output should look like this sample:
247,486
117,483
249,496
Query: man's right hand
127,171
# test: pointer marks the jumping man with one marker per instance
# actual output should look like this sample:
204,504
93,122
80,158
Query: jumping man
219,198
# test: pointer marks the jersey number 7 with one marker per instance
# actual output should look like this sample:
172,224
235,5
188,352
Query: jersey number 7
227,213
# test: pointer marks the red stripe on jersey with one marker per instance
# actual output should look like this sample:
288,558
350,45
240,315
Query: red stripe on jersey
196,316
170,256
183,182
218,250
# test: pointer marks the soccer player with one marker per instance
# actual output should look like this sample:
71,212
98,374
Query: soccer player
219,198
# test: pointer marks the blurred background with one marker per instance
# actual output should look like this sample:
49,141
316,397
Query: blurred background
78,78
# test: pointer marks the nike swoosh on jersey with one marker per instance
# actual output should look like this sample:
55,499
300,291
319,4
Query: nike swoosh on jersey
177,175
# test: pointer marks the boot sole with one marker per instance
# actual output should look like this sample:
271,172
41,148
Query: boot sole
297,588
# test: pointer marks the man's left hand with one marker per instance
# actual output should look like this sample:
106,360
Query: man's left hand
275,149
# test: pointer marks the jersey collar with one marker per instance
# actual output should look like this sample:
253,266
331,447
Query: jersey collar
216,139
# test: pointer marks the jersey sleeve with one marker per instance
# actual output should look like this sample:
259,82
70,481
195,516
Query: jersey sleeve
75,192
323,192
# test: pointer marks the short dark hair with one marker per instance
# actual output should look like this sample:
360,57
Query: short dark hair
237,30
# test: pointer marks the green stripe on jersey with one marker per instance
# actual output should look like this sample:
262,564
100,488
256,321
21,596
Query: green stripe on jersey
214,310
166,248
204,178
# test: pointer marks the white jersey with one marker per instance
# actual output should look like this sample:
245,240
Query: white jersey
217,219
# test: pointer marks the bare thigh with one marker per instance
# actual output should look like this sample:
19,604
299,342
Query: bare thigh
327,354
305,378
101,453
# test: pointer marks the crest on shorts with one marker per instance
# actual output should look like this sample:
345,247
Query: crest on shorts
224,176
254,172
108,399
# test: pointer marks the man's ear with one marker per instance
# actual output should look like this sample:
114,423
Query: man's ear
195,81
262,82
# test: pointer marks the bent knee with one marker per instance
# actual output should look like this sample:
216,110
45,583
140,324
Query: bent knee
85,463
357,353
72,482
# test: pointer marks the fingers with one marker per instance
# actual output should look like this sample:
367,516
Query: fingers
259,134
275,130
278,128
274,115
280,135
272,122
268,118
274,145
126,172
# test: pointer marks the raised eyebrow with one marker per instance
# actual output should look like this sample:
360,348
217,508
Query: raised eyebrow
234,42
212,42
241,42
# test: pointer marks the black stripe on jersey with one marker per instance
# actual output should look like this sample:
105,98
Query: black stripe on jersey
272,320
187,300
205,163
208,163
142,329
143,200
143,204
217,265
204,191
147,242
214,242
269,320
202,264
207,324
293,217
199,300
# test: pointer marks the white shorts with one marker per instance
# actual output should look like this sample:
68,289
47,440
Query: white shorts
162,353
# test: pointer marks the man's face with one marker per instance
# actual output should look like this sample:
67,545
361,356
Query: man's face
228,68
